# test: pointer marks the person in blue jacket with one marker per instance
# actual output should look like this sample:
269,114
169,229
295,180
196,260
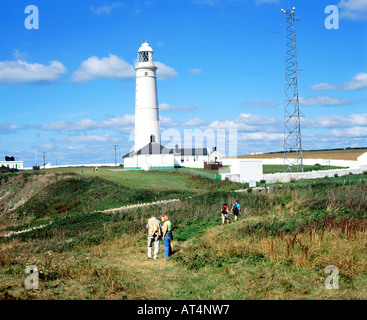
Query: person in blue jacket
236,209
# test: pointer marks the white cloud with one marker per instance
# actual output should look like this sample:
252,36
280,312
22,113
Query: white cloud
13,126
165,72
196,71
256,119
167,122
353,9
206,2
123,124
260,136
106,9
224,2
17,72
233,124
324,101
85,139
17,55
195,122
114,67
47,146
111,67
261,103
267,1
247,123
333,121
355,132
164,107
357,83
6,128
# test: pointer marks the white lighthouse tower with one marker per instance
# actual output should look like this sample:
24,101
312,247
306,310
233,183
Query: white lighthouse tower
146,103
148,153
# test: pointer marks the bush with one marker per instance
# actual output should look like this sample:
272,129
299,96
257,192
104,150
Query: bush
4,169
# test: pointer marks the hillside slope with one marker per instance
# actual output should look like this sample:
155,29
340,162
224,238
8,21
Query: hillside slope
278,249
29,197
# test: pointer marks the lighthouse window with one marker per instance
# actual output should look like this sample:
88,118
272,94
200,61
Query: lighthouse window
146,73
144,56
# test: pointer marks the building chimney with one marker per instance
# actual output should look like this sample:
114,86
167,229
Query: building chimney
152,138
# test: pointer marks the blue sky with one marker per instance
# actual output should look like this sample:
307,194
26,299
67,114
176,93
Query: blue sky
68,88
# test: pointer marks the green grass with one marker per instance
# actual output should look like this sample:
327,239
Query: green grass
146,179
158,180
86,194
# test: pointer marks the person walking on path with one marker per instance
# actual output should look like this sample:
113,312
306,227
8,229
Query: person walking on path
167,236
154,227
225,212
236,209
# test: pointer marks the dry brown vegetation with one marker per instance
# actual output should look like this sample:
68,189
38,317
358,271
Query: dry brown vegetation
348,154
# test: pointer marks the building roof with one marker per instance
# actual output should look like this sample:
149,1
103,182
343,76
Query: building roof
156,148
151,148
192,152
145,47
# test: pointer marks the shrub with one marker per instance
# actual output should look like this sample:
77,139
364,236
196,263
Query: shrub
4,169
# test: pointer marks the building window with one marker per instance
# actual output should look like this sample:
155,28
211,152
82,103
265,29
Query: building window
182,159
146,73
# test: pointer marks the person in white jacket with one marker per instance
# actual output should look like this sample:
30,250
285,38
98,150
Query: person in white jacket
154,227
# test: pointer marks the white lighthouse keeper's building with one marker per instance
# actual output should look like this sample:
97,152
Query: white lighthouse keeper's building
146,103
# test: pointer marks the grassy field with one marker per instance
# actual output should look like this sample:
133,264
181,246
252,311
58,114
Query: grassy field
347,154
278,249
162,180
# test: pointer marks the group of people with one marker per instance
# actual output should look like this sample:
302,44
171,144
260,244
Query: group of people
236,209
157,231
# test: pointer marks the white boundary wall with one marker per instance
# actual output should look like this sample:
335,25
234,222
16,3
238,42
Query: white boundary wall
78,165
354,167
323,162
287,177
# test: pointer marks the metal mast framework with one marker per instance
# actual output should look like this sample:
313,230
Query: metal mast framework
292,117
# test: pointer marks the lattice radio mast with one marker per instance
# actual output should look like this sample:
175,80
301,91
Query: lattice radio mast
292,118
